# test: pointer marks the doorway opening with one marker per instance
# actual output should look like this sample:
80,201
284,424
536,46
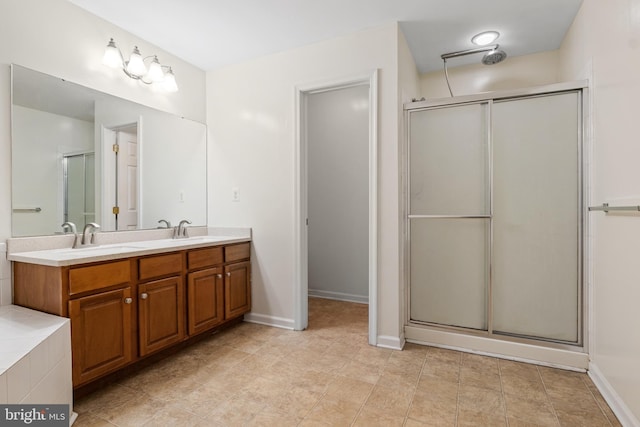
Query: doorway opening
336,195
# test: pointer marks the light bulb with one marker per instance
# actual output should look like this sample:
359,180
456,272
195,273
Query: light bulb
155,73
136,64
169,82
112,57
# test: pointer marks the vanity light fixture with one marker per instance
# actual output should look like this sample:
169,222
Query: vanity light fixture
485,38
136,68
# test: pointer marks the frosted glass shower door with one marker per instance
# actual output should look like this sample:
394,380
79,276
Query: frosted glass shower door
536,221
449,215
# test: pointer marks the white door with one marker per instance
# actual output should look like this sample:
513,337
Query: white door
127,180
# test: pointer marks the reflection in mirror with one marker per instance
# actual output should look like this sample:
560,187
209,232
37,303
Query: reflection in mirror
83,156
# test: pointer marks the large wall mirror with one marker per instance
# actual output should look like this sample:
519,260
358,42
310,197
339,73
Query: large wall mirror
83,156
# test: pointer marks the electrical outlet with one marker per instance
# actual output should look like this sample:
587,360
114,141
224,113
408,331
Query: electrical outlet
235,194
181,196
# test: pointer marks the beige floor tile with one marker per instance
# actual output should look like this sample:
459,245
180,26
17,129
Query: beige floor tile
529,411
343,388
236,411
90,420
445,369
479,377
361,371
105,399
367,418
389,401
474,418
523,387
444,355
341,412
270,417
581,418
433,412
171,416
478,399
432,388
134,413
297,402
515,422
519,369
485,363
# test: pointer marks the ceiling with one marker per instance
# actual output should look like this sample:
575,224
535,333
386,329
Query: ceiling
213,33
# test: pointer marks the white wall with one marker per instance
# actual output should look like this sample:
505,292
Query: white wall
251,118
58,38
337,129
513,73
40,184
604,45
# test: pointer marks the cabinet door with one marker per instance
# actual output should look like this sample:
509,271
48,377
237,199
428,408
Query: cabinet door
160,314
205,293
237,289
100,334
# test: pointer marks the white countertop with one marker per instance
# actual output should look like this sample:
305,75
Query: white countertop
70,256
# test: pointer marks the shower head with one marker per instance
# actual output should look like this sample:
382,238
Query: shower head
494,56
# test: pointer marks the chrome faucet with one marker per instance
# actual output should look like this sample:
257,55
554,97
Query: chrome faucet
91,227
166,223
180,231
67,227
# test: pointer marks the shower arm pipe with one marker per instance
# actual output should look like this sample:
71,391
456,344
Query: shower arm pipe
450,55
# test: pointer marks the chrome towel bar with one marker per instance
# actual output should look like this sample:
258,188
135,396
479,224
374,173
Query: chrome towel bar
28,210
605,207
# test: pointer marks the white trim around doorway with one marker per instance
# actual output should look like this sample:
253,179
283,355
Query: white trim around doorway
301,285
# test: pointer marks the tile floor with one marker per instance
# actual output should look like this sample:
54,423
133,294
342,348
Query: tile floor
252,375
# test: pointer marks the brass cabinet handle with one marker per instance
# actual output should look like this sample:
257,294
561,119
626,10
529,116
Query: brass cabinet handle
128,300
144,295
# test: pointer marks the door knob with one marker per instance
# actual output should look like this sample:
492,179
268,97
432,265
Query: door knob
219,276
144,295
128,300
228,274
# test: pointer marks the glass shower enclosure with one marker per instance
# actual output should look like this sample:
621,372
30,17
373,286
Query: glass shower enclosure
495,212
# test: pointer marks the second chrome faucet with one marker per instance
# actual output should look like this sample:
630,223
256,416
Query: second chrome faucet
180,232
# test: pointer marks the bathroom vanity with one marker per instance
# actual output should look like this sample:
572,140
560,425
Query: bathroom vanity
130,300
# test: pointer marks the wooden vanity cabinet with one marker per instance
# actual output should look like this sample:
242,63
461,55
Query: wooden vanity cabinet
101,318
237,280
160,302
100,334
205,289
126,309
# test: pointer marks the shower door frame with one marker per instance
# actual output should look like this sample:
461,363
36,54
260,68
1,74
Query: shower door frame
487,341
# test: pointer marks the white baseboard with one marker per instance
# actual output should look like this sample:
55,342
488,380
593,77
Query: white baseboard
264,319
387,341
317,293
617,405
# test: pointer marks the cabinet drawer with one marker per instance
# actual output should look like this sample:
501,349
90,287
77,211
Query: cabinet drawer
158,266
94,277
207,257
237,252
